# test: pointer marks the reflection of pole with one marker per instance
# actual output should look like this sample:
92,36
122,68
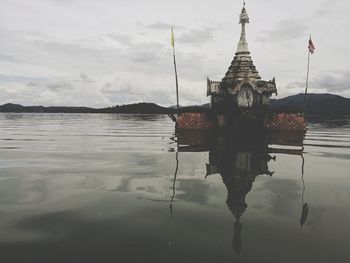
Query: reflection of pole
174,182
302,178
305,208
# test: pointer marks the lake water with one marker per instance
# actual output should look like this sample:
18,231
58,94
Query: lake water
125,188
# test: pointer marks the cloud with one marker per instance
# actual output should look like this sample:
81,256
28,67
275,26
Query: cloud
336,82
285,30
57,86
19,79
7,58
163,26
295,85
120,92
327,8
140,70
121,38
33,84
90,53
197,36
118,87
85,78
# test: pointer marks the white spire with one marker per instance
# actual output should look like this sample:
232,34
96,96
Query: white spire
243,19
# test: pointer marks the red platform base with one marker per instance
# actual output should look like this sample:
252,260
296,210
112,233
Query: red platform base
209,121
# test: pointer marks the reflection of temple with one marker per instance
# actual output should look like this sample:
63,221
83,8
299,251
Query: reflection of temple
239,165
239,160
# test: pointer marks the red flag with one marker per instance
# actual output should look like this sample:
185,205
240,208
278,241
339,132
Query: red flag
311,46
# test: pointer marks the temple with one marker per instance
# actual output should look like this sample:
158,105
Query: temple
240,102
241,87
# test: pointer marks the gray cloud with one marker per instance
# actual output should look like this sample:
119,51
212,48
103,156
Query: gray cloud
295,85
118,87
119,92
121,38
72,50
163,26
57,86
33,84
85,78
133,56
337,82
146,53
20,79
197,36
7,58
285,30
327,8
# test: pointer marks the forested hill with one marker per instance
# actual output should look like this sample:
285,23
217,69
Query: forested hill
143,108
320,104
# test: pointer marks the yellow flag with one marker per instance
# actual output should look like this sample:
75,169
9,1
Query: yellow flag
172,37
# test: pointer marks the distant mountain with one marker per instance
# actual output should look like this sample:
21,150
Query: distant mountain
10,107
321,104
316,104
144,108
193,108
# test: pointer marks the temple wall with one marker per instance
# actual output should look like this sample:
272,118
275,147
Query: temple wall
265,99
196,121
208,121
214,88
287,122
245,97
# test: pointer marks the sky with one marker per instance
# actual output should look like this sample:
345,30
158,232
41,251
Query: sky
101,53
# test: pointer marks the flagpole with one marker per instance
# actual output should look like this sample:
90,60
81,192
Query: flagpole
311,49
307,79
176,78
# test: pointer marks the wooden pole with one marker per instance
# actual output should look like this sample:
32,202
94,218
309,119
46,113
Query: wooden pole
307,78
176,78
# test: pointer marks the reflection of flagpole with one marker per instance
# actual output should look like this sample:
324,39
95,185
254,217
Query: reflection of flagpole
176,78
174,180
302,179
305,208
311,48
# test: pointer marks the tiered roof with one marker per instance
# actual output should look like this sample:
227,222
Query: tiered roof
242,69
